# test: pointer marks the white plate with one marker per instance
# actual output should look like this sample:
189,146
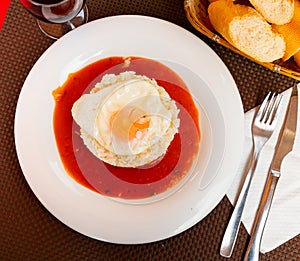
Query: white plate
221,123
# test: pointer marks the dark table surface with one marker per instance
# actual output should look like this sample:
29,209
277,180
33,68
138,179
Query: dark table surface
28,231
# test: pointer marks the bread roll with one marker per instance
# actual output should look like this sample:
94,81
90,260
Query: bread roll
291,33
247,30
275,11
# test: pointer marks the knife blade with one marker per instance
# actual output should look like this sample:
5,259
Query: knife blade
287,135
283,146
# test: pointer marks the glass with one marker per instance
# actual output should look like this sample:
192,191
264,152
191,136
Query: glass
57,17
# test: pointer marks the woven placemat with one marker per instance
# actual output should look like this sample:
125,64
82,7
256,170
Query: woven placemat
28,231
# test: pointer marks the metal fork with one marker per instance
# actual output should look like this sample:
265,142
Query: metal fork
263,126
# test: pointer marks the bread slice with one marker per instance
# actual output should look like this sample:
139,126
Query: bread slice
247,30
275,11
291,33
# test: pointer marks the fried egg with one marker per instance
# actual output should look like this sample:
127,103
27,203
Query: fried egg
127,120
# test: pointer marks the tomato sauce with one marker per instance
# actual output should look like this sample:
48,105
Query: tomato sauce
125,183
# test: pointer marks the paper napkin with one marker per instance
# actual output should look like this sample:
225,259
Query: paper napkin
284,218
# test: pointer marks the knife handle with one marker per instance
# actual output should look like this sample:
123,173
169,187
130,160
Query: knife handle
252,253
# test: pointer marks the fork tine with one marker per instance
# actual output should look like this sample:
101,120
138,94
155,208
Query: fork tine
270,106
263,107
275,111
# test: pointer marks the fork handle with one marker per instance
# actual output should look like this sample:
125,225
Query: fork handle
252,253
233,226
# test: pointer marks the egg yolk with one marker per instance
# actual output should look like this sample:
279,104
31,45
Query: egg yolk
129,123
139,128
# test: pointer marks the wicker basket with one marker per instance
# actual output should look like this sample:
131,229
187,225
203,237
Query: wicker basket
196,12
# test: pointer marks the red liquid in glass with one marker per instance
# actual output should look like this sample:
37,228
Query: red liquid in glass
54,11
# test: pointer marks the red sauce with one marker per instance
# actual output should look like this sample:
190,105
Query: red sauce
126,183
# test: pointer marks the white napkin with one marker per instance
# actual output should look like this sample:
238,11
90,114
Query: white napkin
284,218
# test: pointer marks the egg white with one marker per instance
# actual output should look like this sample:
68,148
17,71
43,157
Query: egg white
108,116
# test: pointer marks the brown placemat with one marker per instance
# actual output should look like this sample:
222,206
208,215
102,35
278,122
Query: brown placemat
28,231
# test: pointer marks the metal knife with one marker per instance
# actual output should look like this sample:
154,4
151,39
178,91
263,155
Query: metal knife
283,147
